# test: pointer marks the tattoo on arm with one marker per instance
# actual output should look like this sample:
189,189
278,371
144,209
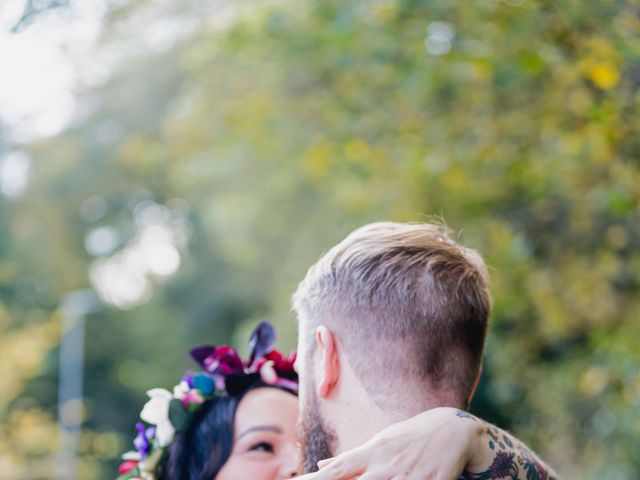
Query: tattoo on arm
463,414
513,466
510,458
503,466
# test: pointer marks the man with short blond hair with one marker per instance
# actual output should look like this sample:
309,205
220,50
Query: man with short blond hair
392,322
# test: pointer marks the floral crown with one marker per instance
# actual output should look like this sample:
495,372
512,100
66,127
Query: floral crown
223,373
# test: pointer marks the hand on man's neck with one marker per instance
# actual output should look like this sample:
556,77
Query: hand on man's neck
357,416
352,410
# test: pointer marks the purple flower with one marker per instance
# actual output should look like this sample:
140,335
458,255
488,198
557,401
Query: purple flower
142,442
188,379
262,341
503,466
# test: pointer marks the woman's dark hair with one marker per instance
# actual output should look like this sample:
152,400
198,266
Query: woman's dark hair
201,451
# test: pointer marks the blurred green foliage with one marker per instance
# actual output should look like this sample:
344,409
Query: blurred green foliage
259,140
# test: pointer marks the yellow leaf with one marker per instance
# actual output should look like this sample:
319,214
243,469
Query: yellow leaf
593,381
357,149
318,160
603,75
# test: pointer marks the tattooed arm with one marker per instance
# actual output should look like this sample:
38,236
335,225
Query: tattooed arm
499,455
440,444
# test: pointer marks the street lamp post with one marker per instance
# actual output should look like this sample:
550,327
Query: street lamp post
74,308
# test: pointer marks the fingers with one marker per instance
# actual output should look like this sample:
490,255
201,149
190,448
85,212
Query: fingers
343,467
323,463
374,476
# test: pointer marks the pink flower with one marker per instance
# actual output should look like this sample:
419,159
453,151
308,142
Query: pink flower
126,467
192,398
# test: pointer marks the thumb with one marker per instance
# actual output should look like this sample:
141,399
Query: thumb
343,467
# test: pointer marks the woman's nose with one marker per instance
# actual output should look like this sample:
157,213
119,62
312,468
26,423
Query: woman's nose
290,466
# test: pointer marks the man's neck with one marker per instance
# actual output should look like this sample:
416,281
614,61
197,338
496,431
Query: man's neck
357,417
358,422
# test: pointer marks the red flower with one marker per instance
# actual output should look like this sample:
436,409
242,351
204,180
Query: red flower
282,365
126,467
274,355
224,360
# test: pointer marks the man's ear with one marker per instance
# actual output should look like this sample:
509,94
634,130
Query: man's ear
475,384
329,361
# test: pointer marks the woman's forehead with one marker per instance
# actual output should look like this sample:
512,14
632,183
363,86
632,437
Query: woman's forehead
266,406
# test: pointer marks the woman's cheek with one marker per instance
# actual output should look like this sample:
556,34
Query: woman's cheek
244,468
262,470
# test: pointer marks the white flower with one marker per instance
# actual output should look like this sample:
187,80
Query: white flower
268,373
131,455
156,412
180,390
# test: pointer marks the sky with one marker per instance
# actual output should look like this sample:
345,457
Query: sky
39,65
47,61
39,72
62,51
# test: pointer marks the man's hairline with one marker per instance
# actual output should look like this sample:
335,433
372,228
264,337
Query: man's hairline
436,389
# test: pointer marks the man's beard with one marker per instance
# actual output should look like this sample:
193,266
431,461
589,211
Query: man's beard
316,438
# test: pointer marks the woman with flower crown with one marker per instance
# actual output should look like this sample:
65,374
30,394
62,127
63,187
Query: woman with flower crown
236,420
232,420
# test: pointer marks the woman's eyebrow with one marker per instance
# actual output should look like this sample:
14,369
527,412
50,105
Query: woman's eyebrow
260,428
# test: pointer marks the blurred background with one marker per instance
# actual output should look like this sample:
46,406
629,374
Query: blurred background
169,170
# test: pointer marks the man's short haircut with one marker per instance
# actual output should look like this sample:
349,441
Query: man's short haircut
405,300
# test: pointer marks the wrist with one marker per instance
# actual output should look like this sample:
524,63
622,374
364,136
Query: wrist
470,432
478,441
